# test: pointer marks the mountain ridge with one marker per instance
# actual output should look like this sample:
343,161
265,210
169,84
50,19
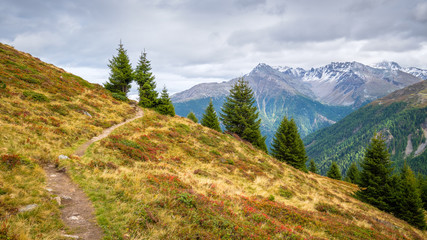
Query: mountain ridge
305,95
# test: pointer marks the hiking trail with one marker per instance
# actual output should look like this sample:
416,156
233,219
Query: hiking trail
77,211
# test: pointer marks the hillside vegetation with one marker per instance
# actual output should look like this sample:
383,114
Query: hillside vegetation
157,177
44,112
168,178
401,117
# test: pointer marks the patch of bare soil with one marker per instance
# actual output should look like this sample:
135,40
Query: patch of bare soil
76,208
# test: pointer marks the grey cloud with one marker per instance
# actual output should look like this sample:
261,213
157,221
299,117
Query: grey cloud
420,12
191,40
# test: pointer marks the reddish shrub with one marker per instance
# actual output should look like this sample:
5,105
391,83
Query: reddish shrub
10,160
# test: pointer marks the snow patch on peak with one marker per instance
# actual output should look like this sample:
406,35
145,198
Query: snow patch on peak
387,65
282,69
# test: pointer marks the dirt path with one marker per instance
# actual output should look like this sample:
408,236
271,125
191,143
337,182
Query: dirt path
76,208
82,149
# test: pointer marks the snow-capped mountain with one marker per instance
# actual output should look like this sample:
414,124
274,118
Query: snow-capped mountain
417,72
314,98
353,83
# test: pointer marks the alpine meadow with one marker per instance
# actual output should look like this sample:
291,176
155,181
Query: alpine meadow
164,176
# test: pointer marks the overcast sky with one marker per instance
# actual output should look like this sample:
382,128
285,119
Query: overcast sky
194,41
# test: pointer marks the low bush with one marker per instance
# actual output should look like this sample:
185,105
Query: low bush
120,97
35,96
284,192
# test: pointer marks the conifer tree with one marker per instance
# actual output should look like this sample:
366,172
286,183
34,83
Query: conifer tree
240,116
165,105
192,117
146,84
422,186
210,119
352,174
120,72
375,177
410,204
334,172
312,168
287,145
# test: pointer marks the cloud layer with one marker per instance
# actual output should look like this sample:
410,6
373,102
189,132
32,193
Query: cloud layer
192,41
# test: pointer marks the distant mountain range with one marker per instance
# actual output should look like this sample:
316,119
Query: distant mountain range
315,98
401,117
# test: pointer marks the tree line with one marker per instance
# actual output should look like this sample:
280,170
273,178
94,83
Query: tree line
122,75
403,194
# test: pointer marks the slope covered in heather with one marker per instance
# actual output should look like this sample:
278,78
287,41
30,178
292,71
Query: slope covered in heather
169,178
44,112
400,116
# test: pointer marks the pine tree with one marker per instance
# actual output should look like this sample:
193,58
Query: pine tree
352,174
240,116
312,168
287,145
146,84
375,178
334,172
210,119
121,72
192,117
410,207
422,186
165,105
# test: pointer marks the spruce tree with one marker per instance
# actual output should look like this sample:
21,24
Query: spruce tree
352,174
146,84
334,172
120,72
210,119
240,116
312,168
287,145
165,105
410,207
422,186
192,117
375,177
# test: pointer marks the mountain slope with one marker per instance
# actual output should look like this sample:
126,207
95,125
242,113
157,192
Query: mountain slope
44,112
400,116
161,177
355,84
276,95
315,98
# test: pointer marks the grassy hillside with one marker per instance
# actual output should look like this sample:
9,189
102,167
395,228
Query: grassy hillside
400,116
44,112
169,178
157,177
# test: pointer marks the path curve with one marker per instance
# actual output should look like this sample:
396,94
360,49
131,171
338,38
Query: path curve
82,149
77,211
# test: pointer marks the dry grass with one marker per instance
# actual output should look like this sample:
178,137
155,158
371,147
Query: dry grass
173,178
44,112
